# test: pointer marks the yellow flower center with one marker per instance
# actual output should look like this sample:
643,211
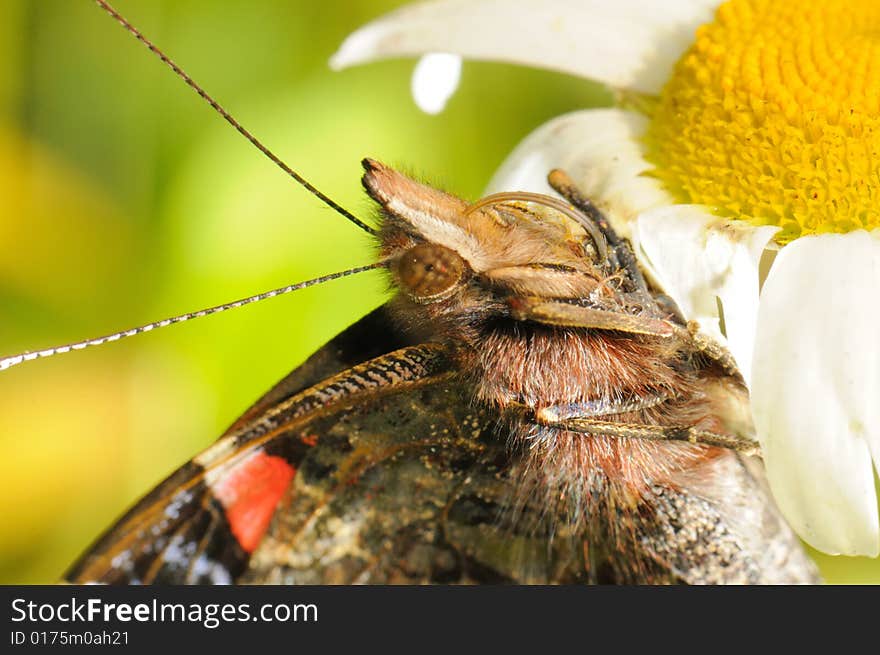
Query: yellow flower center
773,116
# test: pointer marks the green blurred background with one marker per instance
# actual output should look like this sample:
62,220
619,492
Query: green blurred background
124,198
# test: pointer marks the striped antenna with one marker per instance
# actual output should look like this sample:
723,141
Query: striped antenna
229,119
13,360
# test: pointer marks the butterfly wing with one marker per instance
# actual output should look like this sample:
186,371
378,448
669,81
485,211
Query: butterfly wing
406,486
180,531
414,483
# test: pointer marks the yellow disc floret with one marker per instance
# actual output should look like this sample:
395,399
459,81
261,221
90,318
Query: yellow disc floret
773,116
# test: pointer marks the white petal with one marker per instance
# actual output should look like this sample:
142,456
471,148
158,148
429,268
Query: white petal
434,80
600,150
816,388
625,43
700,260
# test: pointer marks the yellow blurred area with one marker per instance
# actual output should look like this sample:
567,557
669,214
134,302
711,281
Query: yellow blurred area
125,199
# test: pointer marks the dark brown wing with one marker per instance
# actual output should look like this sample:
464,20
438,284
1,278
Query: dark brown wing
410,482
180,531
419,485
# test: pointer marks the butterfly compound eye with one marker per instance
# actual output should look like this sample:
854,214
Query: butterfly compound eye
428,272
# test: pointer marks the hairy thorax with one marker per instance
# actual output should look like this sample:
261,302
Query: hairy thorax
521,369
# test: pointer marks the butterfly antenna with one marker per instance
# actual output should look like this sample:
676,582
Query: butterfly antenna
229,119
13,360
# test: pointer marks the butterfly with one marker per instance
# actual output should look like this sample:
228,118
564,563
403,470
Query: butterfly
528,408
515,414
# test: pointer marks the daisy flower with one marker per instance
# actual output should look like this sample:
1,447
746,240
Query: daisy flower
748,179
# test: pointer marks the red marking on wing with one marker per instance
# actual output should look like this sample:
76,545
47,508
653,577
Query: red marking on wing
250,493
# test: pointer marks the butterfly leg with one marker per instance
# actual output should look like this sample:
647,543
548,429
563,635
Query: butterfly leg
620,248
563,314
553,312
583,417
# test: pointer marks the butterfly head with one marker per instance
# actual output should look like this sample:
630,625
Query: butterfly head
454,261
